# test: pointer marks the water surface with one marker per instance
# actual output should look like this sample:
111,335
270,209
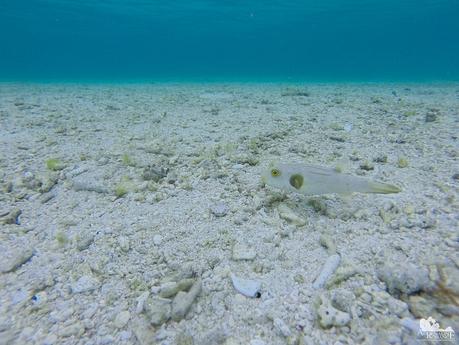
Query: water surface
229,40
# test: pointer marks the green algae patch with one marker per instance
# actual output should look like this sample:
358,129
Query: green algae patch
318,206
125,186
402,162
54,164
410,113
128,160
61,238
120,190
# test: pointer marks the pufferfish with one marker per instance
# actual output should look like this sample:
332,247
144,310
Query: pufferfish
314,180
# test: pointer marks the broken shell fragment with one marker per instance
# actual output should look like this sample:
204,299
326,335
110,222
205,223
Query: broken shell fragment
247,287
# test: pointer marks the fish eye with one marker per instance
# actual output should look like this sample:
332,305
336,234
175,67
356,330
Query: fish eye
275,173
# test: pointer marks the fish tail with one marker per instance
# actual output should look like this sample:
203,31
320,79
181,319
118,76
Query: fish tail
382,188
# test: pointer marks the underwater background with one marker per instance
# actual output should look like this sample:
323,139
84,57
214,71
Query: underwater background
229,172
148,40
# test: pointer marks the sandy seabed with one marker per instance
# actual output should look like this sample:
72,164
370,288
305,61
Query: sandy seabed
135,214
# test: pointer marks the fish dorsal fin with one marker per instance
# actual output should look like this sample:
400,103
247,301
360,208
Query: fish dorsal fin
319,170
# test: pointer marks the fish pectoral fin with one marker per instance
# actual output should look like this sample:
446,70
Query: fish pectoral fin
296,181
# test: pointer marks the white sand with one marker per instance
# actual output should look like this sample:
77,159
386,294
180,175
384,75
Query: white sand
93,255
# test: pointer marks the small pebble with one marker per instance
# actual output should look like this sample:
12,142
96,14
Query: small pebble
19,296
298,278
243,252
46,197
142,331
15,259
170,289
183,338
12,217
381,159
410,324
405,278
286,213
161,334
157,239
75,172
84,241
153,173
347,127
219,210
75,329
281,327
158,310
122,319
327,242
125,335
106,340
257,342
61,315
342,274
50,339
85,284
171,178
89,186
141,302
367,166
431,117
123,242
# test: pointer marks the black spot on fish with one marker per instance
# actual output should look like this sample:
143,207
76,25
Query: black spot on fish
296,181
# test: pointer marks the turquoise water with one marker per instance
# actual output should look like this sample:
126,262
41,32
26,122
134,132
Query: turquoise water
229,40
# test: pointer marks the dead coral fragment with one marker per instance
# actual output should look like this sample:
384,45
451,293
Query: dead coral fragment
328,316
